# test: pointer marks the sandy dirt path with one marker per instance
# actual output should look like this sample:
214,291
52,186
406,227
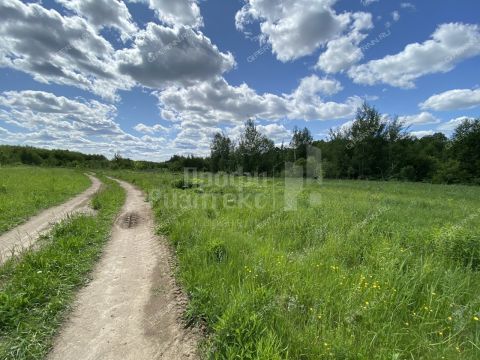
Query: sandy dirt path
25,235
131,309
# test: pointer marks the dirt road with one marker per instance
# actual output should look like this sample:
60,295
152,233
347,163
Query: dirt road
25,235
131,308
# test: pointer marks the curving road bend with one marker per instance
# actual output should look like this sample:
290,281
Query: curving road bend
24,236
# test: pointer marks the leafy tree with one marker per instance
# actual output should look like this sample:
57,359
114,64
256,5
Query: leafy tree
466,148
221,153
255,151
301,139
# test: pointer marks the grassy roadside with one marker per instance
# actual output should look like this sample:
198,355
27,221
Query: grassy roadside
37,289
370,271
24,191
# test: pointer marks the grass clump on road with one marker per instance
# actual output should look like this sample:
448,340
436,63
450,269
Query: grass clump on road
37,289
360,270
24,191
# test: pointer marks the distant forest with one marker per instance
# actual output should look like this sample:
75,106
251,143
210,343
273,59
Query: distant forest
371,148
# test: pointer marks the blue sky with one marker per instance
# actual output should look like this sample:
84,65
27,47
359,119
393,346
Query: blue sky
153,78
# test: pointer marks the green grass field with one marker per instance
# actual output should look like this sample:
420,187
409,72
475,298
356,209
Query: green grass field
24,191
361,270
37,289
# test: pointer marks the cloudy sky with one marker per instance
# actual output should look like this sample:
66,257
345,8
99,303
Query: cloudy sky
151,78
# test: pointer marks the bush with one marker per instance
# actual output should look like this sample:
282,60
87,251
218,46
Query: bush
182,184
408,173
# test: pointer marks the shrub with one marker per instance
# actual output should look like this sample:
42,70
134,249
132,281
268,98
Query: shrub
408,173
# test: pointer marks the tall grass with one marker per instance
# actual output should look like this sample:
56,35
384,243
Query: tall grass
367,270
24,191
37,289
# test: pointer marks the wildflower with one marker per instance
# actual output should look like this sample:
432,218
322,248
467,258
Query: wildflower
440,333
449,318
476,318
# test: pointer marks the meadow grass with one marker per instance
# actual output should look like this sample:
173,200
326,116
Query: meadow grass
360,270
37,289
24,191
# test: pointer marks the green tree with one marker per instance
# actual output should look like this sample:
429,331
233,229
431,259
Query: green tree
301,139
221,153
255,151
466,148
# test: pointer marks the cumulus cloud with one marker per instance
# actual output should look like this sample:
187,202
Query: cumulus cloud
452,124
34,110
450,44
294,28
407,5
277,132
212,103
162,56
68,50
104,13
453,100
157,128
54,48
423,118
423,133
175,12
396,15
51,121
344,51
184,12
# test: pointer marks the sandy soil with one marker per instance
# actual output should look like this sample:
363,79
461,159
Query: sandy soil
25,235
131,309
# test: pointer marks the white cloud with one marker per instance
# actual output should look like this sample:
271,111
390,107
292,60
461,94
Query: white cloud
176,12
276,132
312,85
344,51
157,128
216,102
68,50
185,12
407,5
453,100
50,121
452,124
294,28
104,13
421,134
368,2
450,44
163,56
423,118
35,110
58,49
396,15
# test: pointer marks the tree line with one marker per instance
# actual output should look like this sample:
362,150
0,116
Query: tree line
371,148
